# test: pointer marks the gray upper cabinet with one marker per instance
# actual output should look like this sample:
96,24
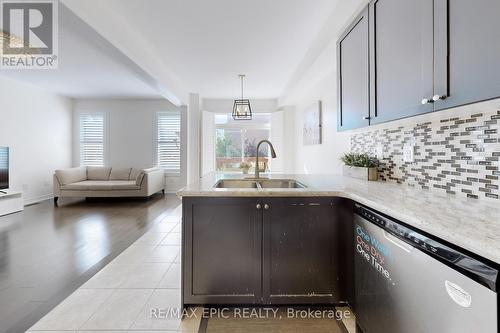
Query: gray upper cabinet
424,56
353,75
401,53
467,52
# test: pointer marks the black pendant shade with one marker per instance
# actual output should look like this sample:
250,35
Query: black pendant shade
242,110
241,107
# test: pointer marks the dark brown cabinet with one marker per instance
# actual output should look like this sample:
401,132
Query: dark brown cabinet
353,75
424,56
299,264
265,250
222,248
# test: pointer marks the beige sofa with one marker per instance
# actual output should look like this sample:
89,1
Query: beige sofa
107,182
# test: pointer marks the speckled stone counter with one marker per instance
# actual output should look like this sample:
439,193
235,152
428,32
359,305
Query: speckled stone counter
468,223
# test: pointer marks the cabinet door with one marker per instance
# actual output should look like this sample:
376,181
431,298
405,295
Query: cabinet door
222,251
467,51
353,75
299,263
401,54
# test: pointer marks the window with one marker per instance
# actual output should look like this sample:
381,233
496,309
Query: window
236,141
92,139
168,148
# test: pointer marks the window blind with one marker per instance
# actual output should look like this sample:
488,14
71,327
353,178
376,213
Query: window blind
169,141
92,140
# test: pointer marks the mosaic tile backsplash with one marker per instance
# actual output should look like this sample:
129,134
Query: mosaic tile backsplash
459,155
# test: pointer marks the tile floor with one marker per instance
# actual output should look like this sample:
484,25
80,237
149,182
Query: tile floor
47,252
121,296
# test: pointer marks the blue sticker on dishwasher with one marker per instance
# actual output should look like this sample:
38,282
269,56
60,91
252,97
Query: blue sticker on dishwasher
372,250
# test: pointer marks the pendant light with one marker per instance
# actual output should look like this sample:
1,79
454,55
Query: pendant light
241,107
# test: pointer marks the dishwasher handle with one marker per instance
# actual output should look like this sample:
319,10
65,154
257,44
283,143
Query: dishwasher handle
398,242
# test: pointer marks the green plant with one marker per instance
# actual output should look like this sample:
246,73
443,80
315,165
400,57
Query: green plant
245,165
359,160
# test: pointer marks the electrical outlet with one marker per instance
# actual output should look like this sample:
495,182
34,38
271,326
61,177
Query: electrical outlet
380,151
408,153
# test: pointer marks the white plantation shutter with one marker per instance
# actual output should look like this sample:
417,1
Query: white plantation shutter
169,141
92,139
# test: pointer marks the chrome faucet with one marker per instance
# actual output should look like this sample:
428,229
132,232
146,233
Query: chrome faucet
273,155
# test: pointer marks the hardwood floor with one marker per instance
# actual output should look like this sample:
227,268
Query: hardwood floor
46,252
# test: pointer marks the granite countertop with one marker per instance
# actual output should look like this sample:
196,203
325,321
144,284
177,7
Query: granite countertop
468,223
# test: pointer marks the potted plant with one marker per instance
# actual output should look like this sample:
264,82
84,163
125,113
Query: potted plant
245,166
362,166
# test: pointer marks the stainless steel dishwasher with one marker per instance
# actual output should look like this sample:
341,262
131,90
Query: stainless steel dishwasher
408,282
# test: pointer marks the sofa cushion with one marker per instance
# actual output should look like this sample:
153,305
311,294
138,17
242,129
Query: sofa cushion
119,174
77,186
72,175
98,173
124,185
134,173
139,179
101,185
89,185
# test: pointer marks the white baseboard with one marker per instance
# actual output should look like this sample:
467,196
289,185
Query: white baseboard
170,192
31,201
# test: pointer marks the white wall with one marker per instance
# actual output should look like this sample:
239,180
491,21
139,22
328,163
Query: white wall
318,83
131,133
36,125
289,146
208,142
194,139
323,158
316,79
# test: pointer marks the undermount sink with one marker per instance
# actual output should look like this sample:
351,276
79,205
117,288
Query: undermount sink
258,183
280,183
236,183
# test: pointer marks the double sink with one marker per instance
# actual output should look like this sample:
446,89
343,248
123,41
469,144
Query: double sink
260,183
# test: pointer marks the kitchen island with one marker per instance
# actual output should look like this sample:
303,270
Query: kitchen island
289,239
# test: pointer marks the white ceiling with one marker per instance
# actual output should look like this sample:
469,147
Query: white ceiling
89,66
207,43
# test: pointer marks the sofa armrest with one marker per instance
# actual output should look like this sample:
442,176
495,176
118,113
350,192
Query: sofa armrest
154,181
57,186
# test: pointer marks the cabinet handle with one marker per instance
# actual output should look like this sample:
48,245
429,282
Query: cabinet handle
436,98
367,118
266,206
426,101
258,206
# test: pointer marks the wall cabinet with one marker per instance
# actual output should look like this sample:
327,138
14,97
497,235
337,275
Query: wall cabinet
401,55
424,56
266,250
353,75
467,52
